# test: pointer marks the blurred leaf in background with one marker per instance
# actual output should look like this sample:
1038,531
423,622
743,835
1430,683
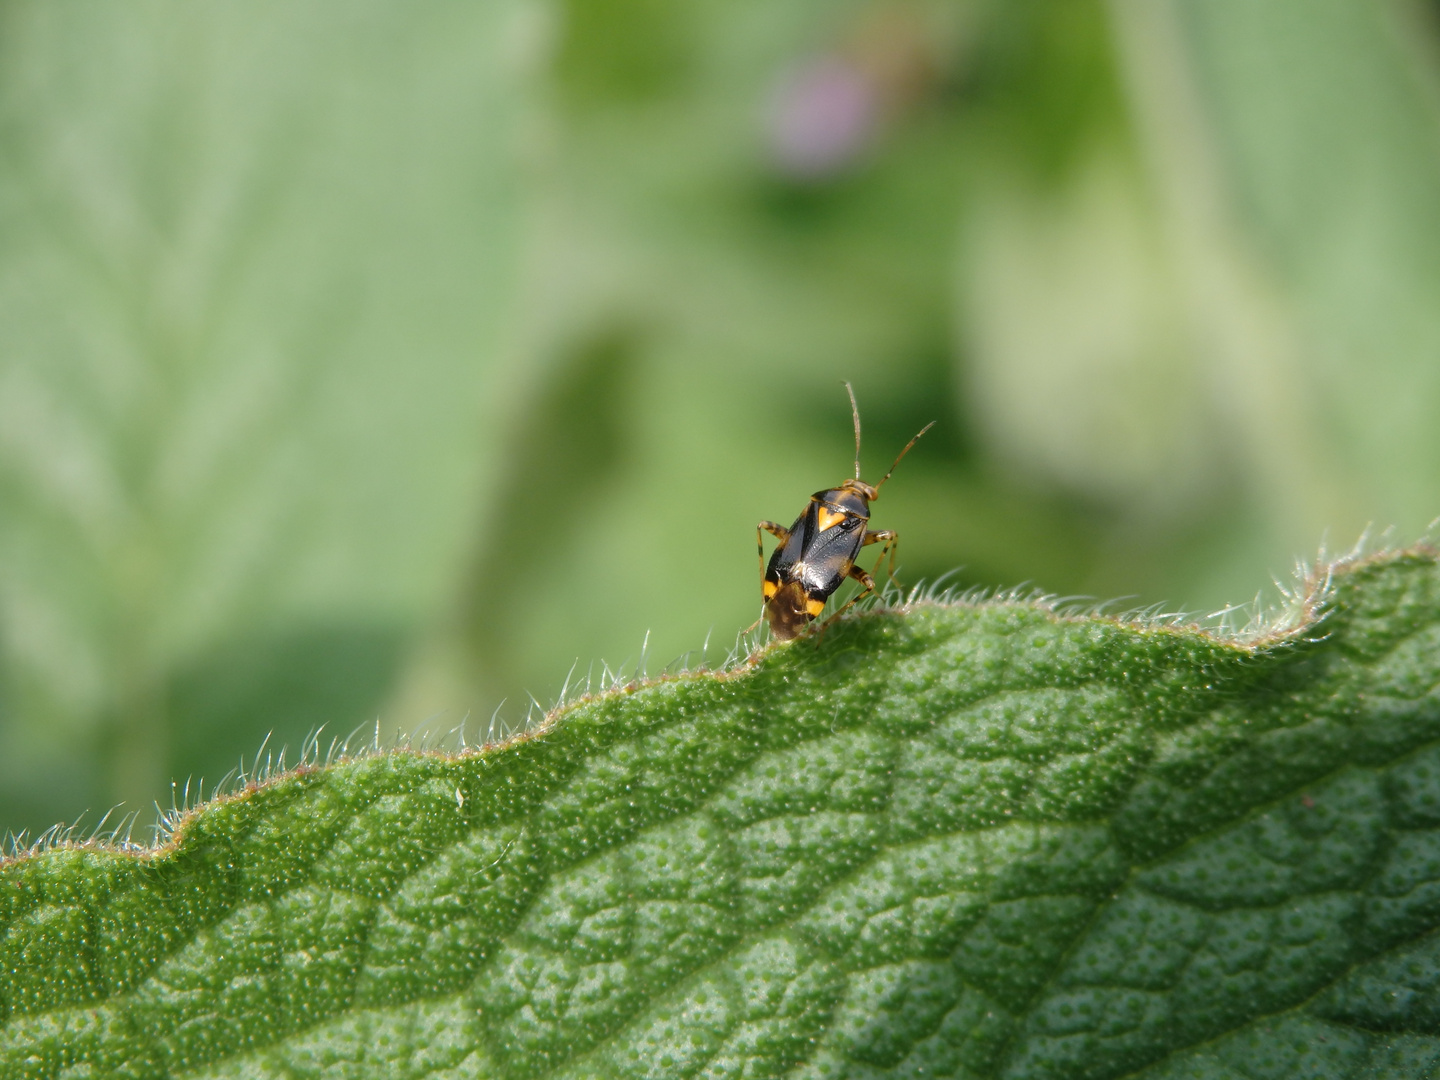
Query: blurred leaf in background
256,288
362,362
1221,318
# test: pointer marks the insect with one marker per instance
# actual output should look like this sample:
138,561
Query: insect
817,553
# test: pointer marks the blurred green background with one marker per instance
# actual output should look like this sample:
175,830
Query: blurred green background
365,363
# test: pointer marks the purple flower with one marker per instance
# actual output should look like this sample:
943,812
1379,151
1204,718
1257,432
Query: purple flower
822,117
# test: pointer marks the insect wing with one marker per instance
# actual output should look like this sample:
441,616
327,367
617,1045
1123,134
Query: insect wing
789,553
830,553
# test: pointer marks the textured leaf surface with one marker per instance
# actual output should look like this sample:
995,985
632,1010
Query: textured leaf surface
972,841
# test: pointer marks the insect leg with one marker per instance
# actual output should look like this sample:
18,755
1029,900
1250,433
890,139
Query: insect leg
778,531
864,579
892,545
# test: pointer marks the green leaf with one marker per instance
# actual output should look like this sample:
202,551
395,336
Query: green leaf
975,840
259,268
1208,300
1326,119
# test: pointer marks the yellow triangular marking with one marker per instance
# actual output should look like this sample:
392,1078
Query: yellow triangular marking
826,517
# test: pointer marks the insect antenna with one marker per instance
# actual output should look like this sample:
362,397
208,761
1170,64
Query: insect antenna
902,453
855,412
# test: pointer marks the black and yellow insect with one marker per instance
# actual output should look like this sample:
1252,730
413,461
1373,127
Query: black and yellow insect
818,552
